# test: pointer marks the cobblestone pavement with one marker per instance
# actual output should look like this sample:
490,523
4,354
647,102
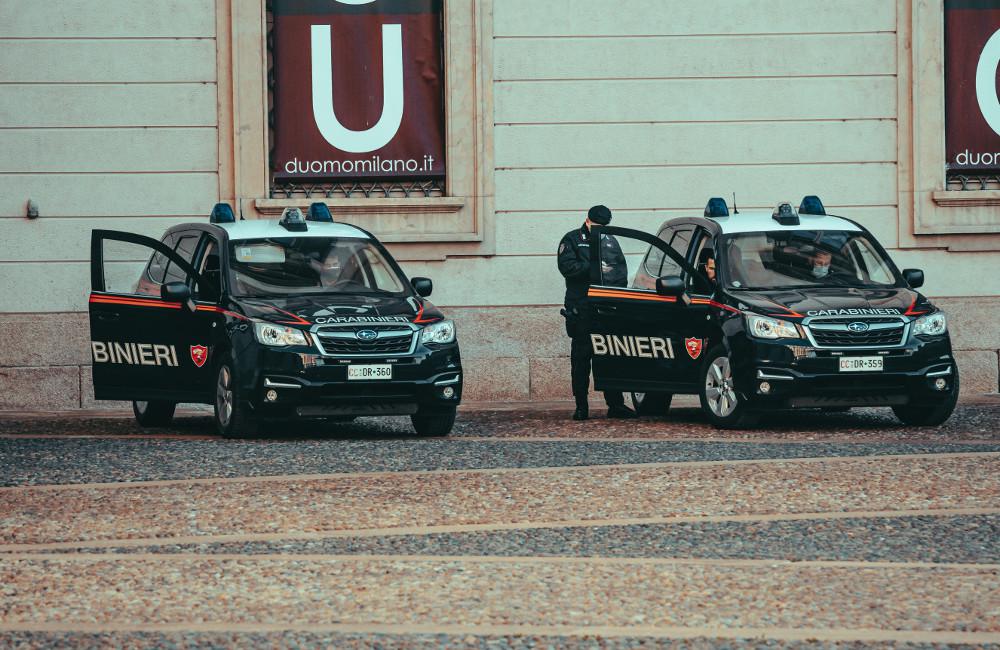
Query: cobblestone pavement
523,529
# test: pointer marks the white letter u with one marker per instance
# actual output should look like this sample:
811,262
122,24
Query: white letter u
392,93
986,82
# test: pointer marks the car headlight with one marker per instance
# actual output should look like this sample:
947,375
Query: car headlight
278,335
931,325
440,332
771,328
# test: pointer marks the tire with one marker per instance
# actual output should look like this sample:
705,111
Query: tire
929,416
438,423
836,409
155,413
232,414
652,403
724,407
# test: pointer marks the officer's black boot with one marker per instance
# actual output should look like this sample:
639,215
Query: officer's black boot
617,408
582,411
622,413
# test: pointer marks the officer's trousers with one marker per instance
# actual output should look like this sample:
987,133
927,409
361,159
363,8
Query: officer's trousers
580,356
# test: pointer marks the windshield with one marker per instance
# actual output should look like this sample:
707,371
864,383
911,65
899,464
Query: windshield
785,259
298,265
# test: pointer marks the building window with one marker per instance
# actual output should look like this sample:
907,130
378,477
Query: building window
356,99
972,109
448,211
933,212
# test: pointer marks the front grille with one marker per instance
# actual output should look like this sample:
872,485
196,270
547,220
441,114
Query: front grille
392,339
394,345
859,339
834,333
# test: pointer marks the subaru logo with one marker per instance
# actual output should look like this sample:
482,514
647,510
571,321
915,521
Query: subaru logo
367,335
858,326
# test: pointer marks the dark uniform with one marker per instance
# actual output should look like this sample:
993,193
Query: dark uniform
574,264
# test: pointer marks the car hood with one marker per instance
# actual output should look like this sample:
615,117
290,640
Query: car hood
834,301
342,309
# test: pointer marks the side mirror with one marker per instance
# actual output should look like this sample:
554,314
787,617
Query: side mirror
670,285
423,286
177,292
914,277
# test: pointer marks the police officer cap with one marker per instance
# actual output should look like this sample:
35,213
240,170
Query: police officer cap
600,215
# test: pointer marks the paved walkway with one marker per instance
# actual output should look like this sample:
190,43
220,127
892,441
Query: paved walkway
522,529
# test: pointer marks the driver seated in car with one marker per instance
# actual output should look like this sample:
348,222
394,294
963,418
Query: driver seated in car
706,264
821,260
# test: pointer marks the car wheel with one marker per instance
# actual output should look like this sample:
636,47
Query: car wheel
232,416
929,416
651,403
722,404
155,413
437,423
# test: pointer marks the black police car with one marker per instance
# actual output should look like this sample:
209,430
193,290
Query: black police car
270,319
806,311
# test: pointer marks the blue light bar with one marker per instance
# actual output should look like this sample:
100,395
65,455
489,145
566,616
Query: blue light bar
812,205
716,208
319,212
222,213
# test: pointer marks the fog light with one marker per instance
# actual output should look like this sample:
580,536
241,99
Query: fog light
940,383
765,387
271,396
448,392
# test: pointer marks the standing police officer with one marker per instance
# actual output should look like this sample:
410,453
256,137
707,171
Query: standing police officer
574,264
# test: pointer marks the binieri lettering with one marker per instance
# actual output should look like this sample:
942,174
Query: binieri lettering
642,347
134,354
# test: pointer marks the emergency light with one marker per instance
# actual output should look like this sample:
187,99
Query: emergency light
293,220
716,208
784,214
319,212
222,213
812,205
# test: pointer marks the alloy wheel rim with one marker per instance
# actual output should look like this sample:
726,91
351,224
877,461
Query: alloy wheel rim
719,391
638,399
141,406
224,396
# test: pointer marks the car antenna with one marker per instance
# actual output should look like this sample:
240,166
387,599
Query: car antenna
241,210
735,210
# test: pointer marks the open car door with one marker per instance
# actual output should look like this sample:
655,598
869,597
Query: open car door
144,347
644,340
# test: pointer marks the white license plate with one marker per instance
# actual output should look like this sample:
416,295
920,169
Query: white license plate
861,364
369,372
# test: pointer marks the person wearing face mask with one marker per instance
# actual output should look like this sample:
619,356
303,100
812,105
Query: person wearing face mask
821,260
574,265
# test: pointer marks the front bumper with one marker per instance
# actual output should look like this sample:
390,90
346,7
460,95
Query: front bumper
781,375
305,384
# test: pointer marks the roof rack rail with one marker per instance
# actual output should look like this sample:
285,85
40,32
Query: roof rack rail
785,214
293,220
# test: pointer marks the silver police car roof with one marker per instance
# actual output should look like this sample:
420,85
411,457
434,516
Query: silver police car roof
759,221
270,229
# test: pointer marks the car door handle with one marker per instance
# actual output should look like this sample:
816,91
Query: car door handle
606,311
111,317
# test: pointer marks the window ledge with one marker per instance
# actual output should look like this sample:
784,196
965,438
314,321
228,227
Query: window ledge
440,223
967,198
422,205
